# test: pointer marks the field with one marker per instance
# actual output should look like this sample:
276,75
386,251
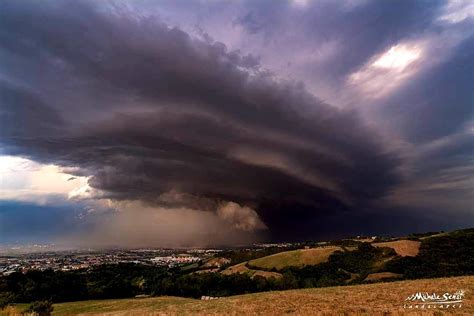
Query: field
241,268
402,247
278,261
435,235
368,299
294,258
381,275
238,268
214,263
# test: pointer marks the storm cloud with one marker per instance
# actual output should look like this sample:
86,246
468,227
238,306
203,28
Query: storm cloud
162,118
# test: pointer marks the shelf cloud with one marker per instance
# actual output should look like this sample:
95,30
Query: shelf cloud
174,122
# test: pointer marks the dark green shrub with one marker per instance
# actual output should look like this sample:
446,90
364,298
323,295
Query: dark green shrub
6,298
42,308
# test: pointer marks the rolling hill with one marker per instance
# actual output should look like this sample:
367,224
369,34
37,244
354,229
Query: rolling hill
242,268
404,248
294,258
278,261
449,257
380,298
395,259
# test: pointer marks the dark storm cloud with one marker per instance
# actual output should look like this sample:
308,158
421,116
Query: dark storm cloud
360,29
146,109
432,112
22,108
436,102
373,27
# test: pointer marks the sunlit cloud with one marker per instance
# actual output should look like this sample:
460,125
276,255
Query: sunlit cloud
386,71
23,179
398,57
300,3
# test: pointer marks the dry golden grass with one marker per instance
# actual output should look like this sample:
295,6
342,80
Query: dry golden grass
369,240
294,258
13,310
267,274
215,263
402,247
381,275
238,268
367,299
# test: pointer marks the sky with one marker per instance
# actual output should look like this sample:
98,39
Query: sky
200,123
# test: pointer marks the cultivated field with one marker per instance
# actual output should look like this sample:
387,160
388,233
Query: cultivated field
367,299
402,247
294,258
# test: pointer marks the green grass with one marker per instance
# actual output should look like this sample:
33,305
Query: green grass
190,266
242,268
294,258
456,233
434,236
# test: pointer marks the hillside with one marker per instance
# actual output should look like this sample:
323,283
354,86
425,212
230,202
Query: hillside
442,256
404,248
368,298
281,260
242,268
370,262
294,258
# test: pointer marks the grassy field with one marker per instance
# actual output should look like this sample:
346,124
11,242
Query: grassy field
435,235
241,268
367,299
381,275
402,247
295,258
214,263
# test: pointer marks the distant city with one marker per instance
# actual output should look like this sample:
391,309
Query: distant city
43,257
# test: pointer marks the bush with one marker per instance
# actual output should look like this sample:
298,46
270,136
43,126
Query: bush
42,308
